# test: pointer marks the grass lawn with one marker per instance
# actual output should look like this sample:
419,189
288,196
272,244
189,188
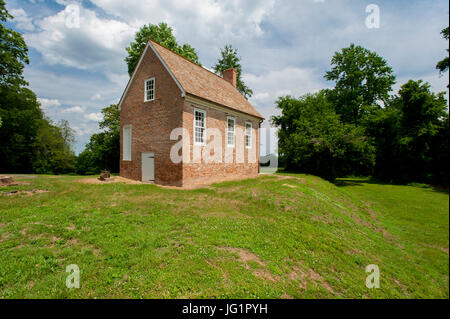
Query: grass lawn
277,236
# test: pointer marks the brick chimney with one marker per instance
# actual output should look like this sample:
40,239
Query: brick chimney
230,75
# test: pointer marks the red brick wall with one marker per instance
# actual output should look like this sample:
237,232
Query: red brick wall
152,122
202,172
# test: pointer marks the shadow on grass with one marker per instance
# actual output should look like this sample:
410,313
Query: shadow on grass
344,182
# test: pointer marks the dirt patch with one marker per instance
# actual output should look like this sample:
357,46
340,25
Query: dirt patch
379,229
225,215
289,185
245,256
229,189
323,219
309,275
114,179
6,181
281,177
402,286
354,251
443,249
27,192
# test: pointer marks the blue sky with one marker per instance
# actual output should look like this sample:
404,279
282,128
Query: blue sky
77,65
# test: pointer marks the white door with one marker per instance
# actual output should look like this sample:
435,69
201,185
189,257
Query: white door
148,167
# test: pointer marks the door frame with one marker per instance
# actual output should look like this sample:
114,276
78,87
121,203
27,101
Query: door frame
151,155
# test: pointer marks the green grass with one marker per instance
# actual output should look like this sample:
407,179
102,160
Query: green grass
277,236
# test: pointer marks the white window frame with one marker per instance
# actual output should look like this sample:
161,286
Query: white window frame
146,90
204,128
249,135
127,137
234,131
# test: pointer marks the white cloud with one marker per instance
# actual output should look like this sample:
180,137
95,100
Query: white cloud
97,45
49,103
84,130
267,87
74,109
95,117
208,19
97,97
22,20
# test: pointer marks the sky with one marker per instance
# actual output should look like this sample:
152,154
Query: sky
77,47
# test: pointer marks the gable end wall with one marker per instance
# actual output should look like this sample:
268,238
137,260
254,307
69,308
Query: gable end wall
152,122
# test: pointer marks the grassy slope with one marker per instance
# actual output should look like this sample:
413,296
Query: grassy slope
272,237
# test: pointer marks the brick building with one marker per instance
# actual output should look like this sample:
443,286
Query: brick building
181,124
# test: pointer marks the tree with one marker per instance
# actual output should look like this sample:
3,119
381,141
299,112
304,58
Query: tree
103,149
230,59
440,154
162,34
313,140
21,117
444,64
53,147
363,79
13,52
410,135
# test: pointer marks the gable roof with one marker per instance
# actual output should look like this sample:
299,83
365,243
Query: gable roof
197,81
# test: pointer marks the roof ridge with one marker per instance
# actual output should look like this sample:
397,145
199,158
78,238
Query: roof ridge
202,67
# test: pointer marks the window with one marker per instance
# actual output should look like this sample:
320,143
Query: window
126,143
199,127
149,90
248,134
231,123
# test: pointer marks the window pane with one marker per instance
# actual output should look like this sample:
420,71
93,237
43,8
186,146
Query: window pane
199,127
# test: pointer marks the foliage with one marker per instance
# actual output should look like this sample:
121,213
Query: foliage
230,59
29,142
103,149
13,52
54,154
363,79
440,154
443,65
162,34
313,140
409,132
145,241
22,118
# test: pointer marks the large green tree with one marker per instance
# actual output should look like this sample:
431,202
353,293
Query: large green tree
103,149
312,139
13,52
53,148
29,142
22,118
363,79
230,59
444,64
410,135
162,34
